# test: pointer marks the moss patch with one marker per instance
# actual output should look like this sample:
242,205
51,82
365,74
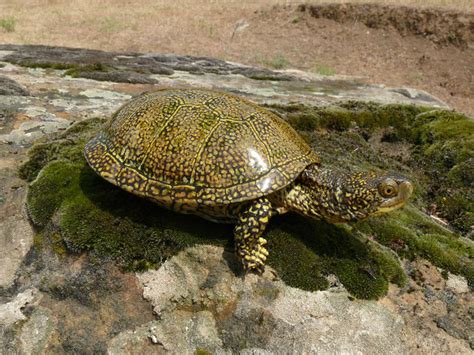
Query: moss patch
72,69
412,234
78,70
304,252
46,65
98,70
75,210
278,61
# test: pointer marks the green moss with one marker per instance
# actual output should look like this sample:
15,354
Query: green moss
78,71
50,190
284,248
304,252
412,234
365,115
72,69
446,149
364,282
44,152
38,241
303,122
57,244
75,210
202,351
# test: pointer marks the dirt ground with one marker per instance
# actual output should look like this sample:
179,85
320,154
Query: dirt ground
416,46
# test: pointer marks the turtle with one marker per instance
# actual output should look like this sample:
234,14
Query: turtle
227,159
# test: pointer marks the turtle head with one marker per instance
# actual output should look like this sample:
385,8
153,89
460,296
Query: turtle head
340,196
370,194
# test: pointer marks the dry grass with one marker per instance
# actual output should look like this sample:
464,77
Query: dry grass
201,27
148,25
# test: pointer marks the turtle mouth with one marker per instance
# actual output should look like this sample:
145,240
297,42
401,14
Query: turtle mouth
404,193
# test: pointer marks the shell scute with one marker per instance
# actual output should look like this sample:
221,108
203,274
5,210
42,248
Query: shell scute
198,147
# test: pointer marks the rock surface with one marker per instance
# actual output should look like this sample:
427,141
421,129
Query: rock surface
11,312
197,290
10,87
16,237
54,301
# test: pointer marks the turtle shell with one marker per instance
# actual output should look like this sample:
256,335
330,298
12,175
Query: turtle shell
197,147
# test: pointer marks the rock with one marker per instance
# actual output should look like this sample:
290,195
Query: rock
30,131
11,312
11,87
119,76
167,335
441,323
198,291
137,341
36,331
413,93
104,94
16,237
260,84
457,283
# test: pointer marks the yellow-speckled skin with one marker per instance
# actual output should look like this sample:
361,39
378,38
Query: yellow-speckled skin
189,148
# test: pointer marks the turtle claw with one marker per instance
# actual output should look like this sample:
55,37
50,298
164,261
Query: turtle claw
255,260
254,268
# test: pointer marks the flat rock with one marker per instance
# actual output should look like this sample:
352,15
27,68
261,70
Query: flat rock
153,70
11,312
36,331
198,291
16,237
457,283
11,87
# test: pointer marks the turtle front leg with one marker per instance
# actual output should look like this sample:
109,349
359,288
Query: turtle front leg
250,246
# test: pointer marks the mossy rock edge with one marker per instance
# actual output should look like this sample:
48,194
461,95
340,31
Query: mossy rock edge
76,211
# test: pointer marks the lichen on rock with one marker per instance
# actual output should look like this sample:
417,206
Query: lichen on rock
75,210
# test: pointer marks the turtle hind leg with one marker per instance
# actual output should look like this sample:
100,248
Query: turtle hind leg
250,246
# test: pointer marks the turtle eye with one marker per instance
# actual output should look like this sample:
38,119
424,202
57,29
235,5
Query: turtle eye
388,188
